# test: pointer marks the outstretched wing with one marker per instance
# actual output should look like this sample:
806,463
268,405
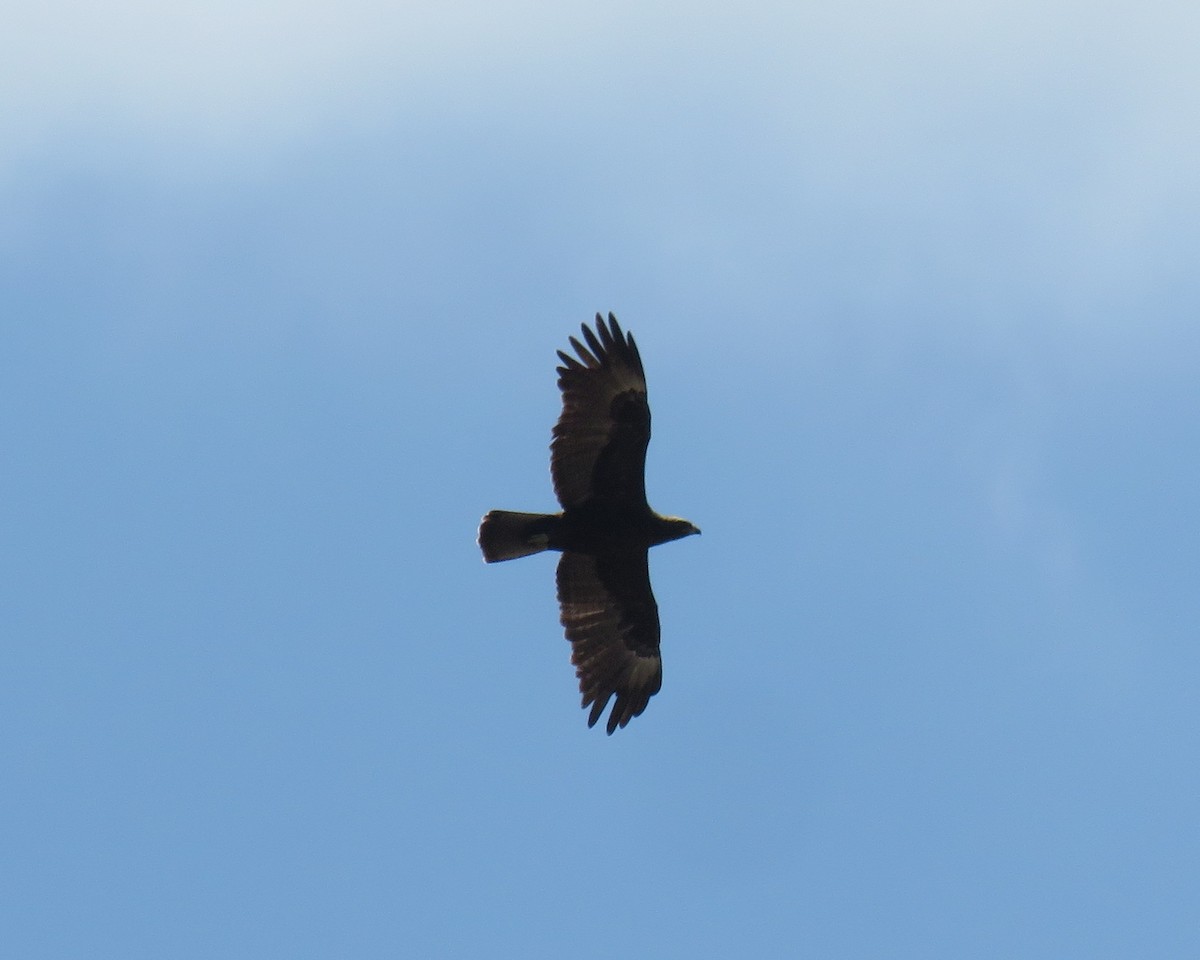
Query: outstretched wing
600,440
611,620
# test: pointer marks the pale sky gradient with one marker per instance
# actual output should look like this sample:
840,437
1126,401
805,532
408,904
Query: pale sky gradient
916,290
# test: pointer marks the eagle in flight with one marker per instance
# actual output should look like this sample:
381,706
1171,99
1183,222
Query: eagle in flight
606,527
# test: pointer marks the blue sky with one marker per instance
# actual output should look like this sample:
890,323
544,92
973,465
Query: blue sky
916,290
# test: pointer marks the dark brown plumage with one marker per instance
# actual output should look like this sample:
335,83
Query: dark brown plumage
606,527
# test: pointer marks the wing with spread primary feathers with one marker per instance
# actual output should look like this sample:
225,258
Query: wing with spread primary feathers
600,440
611,619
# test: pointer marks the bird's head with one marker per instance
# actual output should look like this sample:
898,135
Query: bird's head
675,528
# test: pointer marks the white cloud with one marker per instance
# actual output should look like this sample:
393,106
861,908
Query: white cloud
1003,161
229,71
224,72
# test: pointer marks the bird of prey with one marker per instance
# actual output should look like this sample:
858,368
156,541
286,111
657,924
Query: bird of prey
605,528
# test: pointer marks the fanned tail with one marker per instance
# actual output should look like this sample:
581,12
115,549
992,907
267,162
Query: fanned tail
506,535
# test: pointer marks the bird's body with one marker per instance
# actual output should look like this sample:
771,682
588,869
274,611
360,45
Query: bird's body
589,528
606,527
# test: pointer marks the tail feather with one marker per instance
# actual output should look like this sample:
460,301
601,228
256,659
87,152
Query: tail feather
506,535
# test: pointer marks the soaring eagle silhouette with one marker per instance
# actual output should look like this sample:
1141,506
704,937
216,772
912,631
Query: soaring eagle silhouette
606,527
